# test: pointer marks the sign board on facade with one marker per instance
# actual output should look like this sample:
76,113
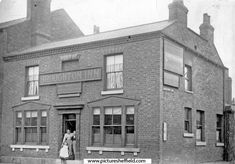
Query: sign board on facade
71,76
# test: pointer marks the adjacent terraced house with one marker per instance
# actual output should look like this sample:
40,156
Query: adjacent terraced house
151,91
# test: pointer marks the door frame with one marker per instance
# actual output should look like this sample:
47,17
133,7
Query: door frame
70,109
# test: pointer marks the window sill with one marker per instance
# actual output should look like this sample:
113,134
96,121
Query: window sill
199,143
69,95
168,89
112,92
36,147
188,135
190,92
30,98
219,144
111,149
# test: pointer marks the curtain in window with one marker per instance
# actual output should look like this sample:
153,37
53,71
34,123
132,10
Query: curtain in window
114,69
33,77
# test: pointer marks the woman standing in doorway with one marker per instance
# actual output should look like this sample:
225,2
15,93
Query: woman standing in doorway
68,140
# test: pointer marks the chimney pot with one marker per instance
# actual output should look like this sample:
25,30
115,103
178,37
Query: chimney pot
96,29
206,18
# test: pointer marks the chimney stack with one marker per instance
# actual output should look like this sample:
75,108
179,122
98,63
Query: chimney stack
206,29
177,11
39,14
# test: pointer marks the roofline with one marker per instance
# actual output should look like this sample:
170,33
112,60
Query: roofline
12,22
83,46
52,47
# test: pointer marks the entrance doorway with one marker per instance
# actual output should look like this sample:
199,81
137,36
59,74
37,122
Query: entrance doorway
69,122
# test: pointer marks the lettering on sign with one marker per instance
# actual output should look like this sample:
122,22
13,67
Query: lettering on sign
70,77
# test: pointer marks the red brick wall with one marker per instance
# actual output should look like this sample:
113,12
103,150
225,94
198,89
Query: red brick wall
207,96
141,81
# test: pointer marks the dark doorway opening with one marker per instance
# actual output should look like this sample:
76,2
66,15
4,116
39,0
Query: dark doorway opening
69,122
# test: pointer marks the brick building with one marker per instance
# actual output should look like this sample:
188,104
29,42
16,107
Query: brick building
150,91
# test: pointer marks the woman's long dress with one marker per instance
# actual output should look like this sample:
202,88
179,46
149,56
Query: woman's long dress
68,140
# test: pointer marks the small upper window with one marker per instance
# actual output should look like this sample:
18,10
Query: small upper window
188,78
200,133
114,72
32,81
188,120
219,128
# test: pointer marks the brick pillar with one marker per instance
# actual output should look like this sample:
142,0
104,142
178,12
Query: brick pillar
229,145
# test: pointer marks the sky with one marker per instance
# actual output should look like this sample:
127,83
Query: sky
115,14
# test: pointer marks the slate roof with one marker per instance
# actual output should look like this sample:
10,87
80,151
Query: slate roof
172,29
135,30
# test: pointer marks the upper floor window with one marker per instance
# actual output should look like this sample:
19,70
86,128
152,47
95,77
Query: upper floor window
188,78
200,121
114,72
114,127
188,120
219,128
32,81
31,127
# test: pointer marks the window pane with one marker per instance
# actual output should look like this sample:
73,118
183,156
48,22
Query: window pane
130,110
32,80
117,135
28,114
117,120
108,119
111,78
27,122
186,126
130,119
18,135
199,134
19,114
110,64
130,134
34,114
19,119
31,134
118,59
43,121
119,80
108,111
117,110
108,135
44,113
96,134
96,111
96,119
43,134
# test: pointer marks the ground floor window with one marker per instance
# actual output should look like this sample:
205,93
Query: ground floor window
31,127
113,126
